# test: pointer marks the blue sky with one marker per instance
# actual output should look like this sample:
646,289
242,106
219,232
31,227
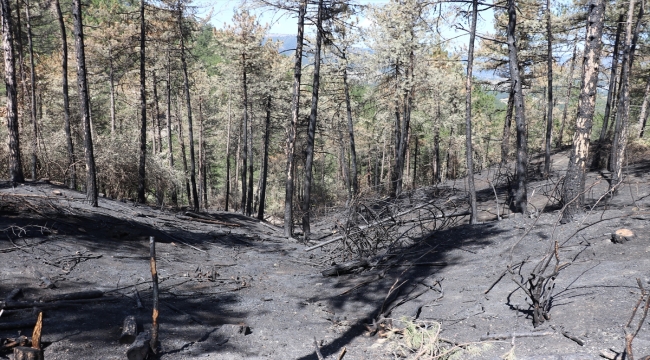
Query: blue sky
285,24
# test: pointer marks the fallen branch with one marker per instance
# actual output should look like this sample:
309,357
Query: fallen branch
379,222
506,336
81,295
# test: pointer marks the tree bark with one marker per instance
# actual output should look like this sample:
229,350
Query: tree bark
84,104
598,159
249,197
293,127
574,183
568,97
244,169
203,172
228,157
143,111
643,116
519,201
15,163
469,152
32,92
111,84
353,151
549,97
311,134
507,124
619,143
181,141
72,184
265,161
156,114
186,88
168,114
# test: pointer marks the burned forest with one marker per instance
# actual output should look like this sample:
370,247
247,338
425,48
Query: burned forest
312,179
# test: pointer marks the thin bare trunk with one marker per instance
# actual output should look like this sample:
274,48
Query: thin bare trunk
560,136
574,183
84,104
111,84
143,111
469,152
203,173
265,161
72,168
32,92
311,134
15,163
353,151
293,127
643,116
186,88
169,126
228,156
244,192
519,201
156,115
549,97
181,140
507,124
619,143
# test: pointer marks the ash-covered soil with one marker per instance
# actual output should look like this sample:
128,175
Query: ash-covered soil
234,270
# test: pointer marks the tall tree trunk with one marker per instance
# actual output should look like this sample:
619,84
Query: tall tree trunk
394,176
72,168
507,124
643,116
519,201
21,64
228,156
311,134
265,161
415,163
345,171
549,97
84,104
293,127
32,92
574,183
168,114
560,136
181,141
619,144
469,152
244,192
598,161
249,197
203,173
186,88
156,114
111,89
15,163
353,151
143,111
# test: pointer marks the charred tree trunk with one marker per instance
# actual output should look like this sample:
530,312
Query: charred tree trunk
32,91
249,197
181,141
619,143
574,183
186,88
549,97
84,104
311,134
643,116
203,173
72,184
469,152
519,201
15,163
353,151
168,114
228,158
598,161
293,127
560,136
143,111
111,87
265,160
507,124
156,115
244,169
